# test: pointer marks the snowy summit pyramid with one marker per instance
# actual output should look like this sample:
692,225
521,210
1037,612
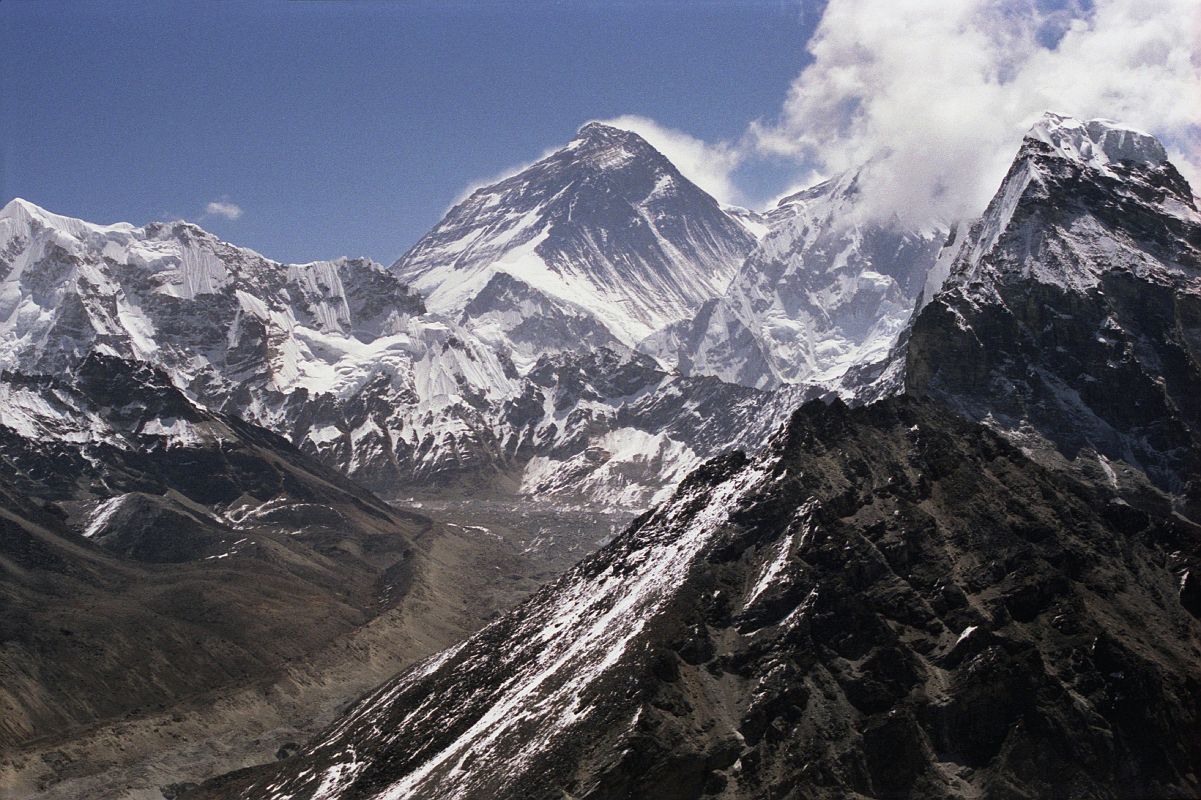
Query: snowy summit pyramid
604,240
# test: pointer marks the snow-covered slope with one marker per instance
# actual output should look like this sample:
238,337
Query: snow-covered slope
1070,312
176,295
306,350
824,291
603,240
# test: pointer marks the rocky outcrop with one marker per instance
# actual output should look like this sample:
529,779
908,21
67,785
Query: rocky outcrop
168,550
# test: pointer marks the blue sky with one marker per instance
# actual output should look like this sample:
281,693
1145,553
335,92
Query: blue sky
348,128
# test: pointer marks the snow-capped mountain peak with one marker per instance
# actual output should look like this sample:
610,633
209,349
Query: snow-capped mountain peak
210,314
607,147
1068,308
603,240
1070,163
20,214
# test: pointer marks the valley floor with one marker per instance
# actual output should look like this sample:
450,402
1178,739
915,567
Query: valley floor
488,555
552,535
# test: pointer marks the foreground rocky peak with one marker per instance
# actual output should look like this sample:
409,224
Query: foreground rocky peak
890,600
603,238
1125,193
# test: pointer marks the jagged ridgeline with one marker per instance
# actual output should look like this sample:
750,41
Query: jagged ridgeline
568,320
893,600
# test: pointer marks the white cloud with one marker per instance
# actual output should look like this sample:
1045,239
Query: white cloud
223,208
937,93
935,96
709,166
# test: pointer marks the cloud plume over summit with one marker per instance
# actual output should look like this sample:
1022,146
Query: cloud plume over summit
937,93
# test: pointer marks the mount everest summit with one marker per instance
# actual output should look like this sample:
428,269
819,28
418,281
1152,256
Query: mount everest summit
603,241
933,595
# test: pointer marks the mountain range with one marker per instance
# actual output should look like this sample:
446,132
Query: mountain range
921,505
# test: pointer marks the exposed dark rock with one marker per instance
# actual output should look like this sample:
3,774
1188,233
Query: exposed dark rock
812,624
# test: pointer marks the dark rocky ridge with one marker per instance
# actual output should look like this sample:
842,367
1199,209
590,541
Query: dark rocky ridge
943,618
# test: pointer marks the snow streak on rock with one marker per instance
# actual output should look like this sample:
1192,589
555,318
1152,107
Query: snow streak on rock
562,642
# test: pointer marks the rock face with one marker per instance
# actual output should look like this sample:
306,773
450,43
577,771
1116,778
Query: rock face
887,602
614,428
823,291
603,240
1071,311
